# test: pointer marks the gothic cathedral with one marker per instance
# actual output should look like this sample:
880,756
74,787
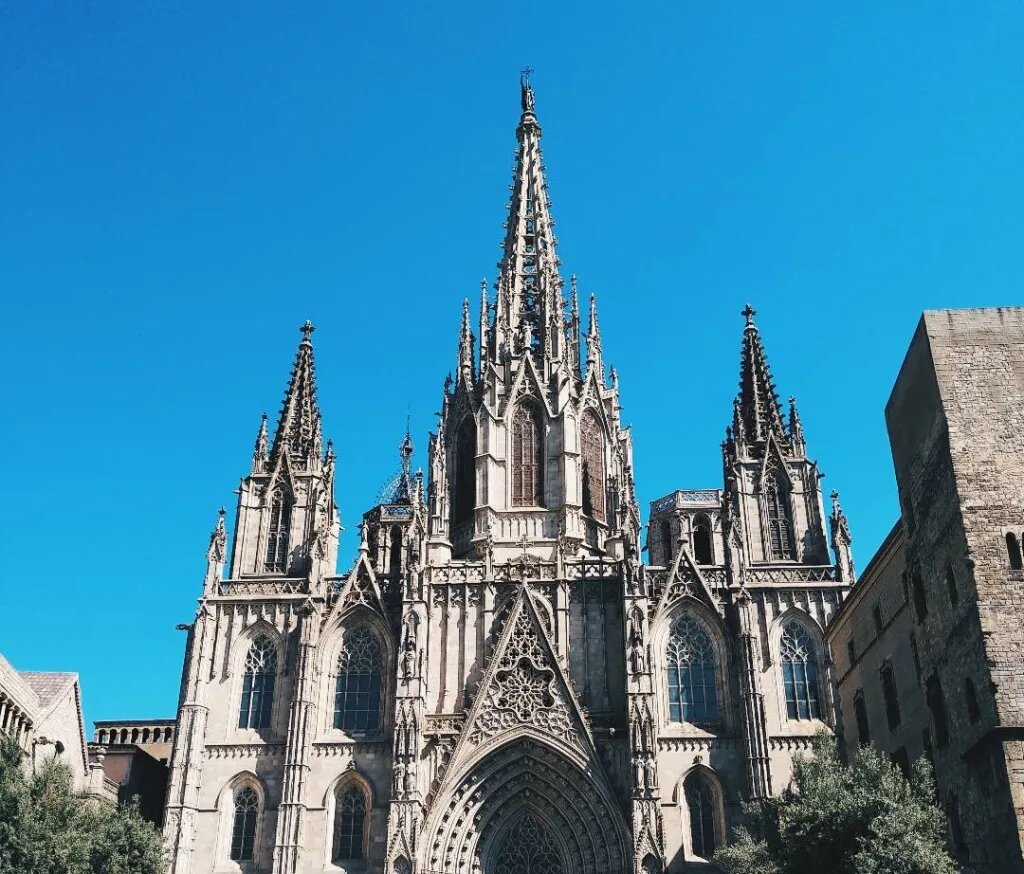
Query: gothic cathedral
500,684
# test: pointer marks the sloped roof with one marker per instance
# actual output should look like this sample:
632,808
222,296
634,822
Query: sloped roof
13,682
48,685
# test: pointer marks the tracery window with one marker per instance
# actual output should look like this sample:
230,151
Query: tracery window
243,827
799,672
703,553
357,689
528,848
349,824
592,453
277,534
464,490
527,457
780,517
692,687
700,802
258,684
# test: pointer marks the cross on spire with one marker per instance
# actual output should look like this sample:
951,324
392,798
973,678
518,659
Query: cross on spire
307,331
748,312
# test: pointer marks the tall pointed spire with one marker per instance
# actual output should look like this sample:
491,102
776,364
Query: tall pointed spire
574,325
484,325
529,308
298,427
796,428
760,412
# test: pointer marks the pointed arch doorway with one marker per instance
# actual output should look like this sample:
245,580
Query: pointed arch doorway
526,808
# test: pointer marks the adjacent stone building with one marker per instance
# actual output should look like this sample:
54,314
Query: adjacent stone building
945,594
498,682
42,710
135,754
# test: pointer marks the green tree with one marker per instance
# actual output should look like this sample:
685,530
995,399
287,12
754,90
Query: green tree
864,817
45,828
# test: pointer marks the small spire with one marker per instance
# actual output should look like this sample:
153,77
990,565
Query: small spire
215,552
405,449
299,427
484,322
364,547
796,428
259,452
466,346
593,336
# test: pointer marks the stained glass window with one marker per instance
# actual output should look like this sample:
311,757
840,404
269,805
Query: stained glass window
528,848
277,534
527,457
780,519
692,688
592,452
243,831
258,684
349,824
357,690
700,802
799,672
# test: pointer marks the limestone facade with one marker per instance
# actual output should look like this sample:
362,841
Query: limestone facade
498,681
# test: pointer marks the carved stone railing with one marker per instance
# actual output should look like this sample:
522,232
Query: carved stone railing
514,571
444,724
681,498
790,575
271,587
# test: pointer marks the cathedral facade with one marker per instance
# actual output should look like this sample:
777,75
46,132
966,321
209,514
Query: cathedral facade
501,682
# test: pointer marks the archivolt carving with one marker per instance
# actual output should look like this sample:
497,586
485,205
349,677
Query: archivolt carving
469,827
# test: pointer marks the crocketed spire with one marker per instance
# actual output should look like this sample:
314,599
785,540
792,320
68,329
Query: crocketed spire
529,308
758,403
298,426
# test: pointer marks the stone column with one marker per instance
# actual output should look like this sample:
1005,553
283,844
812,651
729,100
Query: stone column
187,756
759,774
288,848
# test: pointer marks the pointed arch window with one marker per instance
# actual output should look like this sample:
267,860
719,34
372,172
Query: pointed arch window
666,541
592,456
528,846
258,684
395,552
527,457
243,826
357,688
703,552
464,489
700,804
779,516
280,523
349,824
799,658
692,687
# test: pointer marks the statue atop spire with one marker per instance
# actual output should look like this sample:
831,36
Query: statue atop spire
526,98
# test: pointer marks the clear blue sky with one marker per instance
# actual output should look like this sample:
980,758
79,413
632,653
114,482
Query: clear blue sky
182,184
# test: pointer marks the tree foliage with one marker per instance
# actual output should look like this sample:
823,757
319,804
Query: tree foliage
864,817
45,828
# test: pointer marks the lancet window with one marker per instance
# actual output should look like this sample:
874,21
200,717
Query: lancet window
692,685
799,659
592,455
280,523
528,846
349,824
779,516
243,826
700,804
357,689
703,552
464,489
258,684
527,457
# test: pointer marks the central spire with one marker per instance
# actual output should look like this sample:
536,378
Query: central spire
529,310
758,411
298,427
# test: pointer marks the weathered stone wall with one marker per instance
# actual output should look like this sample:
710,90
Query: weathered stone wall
956,425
